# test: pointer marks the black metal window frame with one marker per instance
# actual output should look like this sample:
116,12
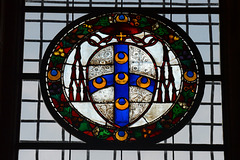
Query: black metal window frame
210,79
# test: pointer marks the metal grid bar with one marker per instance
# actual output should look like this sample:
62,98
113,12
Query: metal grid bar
116,3
179,23
190,123
212,86
102,9
78,146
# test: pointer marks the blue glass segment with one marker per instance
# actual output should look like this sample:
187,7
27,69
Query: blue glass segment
122,101
133,81
121,133
144,80
99,80
121,92
121,55
121,117
54,72
190,74
109,79
121,76
121,17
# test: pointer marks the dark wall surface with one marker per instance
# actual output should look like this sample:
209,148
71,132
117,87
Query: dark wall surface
230,53
11,46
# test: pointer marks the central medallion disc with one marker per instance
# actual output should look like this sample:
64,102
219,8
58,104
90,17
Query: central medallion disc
132,68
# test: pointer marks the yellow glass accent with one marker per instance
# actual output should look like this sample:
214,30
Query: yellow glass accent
123,106
121,81
62,54
143,85
60,50
90,30
122,138
87,26
134,20
121,61
136,24
54,78
121,36
56,53
193,78
186,88
171,36
176,38
99,85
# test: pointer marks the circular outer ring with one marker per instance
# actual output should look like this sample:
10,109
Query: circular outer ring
167,132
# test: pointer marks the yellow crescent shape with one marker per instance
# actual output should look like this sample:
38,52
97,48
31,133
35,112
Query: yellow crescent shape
99,85
124,20
121,61
122,138
193,78
54,78
121,81
143,85
121,107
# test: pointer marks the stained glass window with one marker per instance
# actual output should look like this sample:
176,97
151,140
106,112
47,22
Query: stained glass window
122,78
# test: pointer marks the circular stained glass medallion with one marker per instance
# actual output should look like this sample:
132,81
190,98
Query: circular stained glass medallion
122,78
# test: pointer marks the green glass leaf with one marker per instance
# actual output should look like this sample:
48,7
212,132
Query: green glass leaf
137,133
103,133
187,94
82,30
159,126
178,45
161,30
103,21
57,97
84,126
57,60
67,111
178,110
66,44
187,62
143,22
